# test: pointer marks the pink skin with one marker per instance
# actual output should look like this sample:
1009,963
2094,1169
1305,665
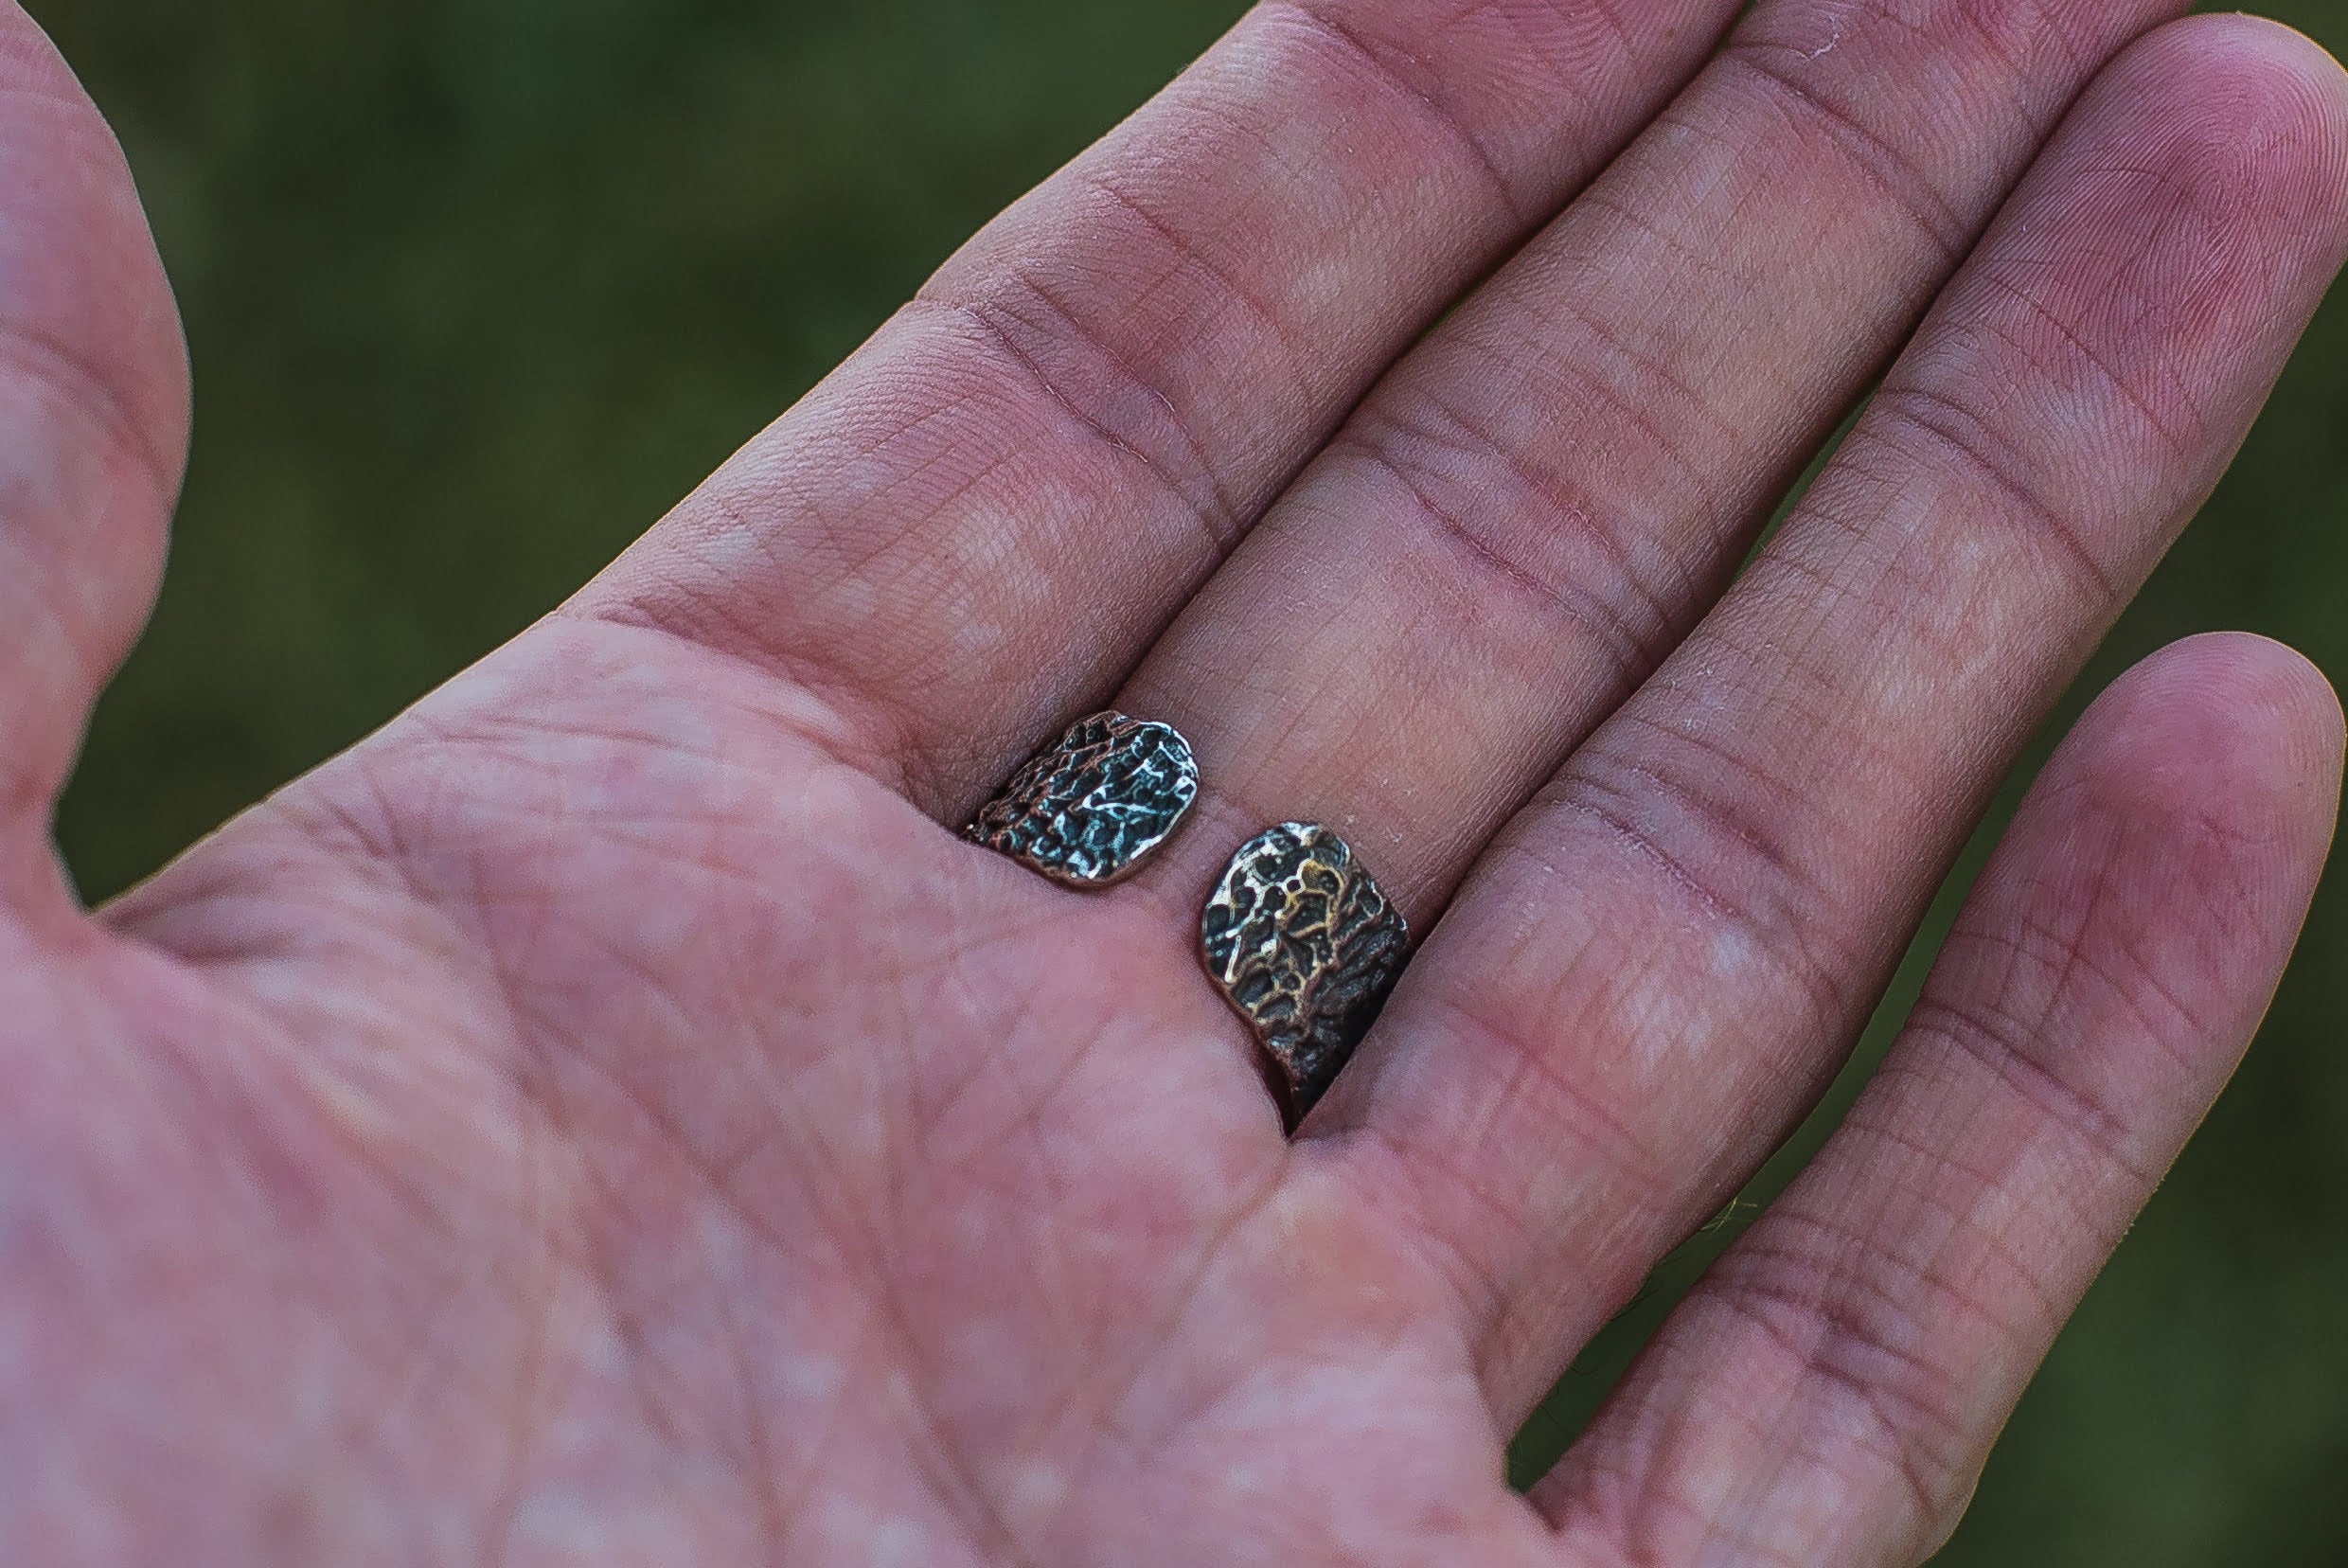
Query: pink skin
609,1117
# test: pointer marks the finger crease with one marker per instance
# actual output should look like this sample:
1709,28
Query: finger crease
1964,435
1630,650
1999,1044
1211,512
1446,118
1892,171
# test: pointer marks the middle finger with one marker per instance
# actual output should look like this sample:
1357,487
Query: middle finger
1537,505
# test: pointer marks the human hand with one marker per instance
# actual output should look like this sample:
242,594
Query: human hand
609,1116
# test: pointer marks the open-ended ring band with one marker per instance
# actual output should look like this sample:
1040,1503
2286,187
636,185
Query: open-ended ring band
1307,947
1090,808
1298,935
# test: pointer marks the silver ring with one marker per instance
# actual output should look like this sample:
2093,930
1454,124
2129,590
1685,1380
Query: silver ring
1307,947
1090,808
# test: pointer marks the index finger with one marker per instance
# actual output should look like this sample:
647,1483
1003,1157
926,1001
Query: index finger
977,524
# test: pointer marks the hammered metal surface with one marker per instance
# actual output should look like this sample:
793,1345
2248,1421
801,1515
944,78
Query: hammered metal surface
1089,810
1302,940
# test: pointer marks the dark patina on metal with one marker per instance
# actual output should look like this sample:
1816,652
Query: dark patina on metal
1304,942
1089,810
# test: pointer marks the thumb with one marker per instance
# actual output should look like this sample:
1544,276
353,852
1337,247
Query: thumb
93,431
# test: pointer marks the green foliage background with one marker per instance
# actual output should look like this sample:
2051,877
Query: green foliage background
477,288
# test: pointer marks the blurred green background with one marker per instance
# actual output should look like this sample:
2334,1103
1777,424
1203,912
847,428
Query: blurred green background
477,288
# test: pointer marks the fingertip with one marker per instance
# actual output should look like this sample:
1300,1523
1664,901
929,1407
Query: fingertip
2212,769
2251,34
2256,55
2234,701
2290,691
2271,96
2242,126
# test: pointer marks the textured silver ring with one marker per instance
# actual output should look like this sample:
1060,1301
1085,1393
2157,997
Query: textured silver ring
1090,808
1307,947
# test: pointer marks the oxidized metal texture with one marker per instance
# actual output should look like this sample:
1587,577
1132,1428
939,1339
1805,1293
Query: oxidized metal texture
1304,943
1089,810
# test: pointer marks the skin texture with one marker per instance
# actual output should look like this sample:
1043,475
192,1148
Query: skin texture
608,1117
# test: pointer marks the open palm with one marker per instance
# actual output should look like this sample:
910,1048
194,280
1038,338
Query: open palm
608,1116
